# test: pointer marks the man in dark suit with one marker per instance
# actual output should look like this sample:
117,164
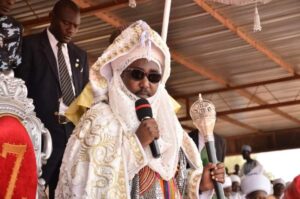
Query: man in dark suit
55,72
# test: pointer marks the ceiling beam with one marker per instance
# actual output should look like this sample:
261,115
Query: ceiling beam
256,108
235,87
241,124
230,25
85,11
246,37
248,109
201,70
227,119
196,68
268,141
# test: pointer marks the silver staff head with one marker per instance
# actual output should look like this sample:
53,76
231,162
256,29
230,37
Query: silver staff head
203,114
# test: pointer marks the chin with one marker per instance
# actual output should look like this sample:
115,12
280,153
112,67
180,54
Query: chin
143,96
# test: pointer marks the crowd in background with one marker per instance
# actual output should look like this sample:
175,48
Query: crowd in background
250,182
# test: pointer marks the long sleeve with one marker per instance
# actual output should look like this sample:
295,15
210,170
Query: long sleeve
94,165
133,153
194,173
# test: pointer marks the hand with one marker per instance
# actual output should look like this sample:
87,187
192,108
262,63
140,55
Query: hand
210,173
147,131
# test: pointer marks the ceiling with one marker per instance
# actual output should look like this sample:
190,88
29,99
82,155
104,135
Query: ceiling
251,77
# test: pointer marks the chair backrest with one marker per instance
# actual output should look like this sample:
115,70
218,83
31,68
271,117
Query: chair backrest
23,139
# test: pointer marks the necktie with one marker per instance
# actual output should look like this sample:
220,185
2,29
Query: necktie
64,78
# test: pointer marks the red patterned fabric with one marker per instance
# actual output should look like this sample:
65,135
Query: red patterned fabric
18,170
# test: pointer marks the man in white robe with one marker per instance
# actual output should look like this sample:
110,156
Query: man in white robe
251,166
108,155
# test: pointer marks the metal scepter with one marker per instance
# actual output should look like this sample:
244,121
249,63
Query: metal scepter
203,114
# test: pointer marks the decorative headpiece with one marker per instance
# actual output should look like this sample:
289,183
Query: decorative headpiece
136,40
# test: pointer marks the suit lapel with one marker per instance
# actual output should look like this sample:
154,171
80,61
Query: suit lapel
46,47
74,61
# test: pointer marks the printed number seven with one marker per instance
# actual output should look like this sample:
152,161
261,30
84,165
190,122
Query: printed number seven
19,151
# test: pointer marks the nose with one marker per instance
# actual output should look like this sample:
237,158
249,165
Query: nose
72,30
144,83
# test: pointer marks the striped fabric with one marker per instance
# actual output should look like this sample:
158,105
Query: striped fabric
148,178
64,78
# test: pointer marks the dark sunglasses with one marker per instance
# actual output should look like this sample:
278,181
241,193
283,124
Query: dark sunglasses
138,75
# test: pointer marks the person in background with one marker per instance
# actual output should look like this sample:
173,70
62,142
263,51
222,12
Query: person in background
236,169
55,71
108,155
278,189
236,187
226,171
251,165
10,38
255,186
227,187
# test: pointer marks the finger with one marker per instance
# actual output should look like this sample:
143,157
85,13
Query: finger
218,171
221,165
218,177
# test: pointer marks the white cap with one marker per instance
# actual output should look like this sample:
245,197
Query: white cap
235,178
246,148
227,182
255,182
279,181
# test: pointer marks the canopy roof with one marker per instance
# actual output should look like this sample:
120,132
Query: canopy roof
251,77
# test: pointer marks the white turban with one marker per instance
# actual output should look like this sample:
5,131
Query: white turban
227,182
256,182
140,41
235,178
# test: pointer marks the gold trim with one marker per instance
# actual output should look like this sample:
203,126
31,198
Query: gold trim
19,151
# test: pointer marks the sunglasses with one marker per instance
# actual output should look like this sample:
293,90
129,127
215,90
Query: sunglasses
137,74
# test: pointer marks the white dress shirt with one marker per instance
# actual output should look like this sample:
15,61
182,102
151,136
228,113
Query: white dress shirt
53,42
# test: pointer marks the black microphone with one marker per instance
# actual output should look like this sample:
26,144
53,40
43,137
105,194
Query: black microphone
143,112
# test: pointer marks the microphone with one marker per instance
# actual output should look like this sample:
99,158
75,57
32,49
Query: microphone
143,112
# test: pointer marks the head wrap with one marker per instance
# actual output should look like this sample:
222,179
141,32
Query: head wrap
255,182
246,148
235,178
136,42
279,181
227,182
293,189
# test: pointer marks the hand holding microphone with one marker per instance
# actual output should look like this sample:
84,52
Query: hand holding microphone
148,131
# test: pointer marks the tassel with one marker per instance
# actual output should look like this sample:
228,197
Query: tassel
132,3
256,25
